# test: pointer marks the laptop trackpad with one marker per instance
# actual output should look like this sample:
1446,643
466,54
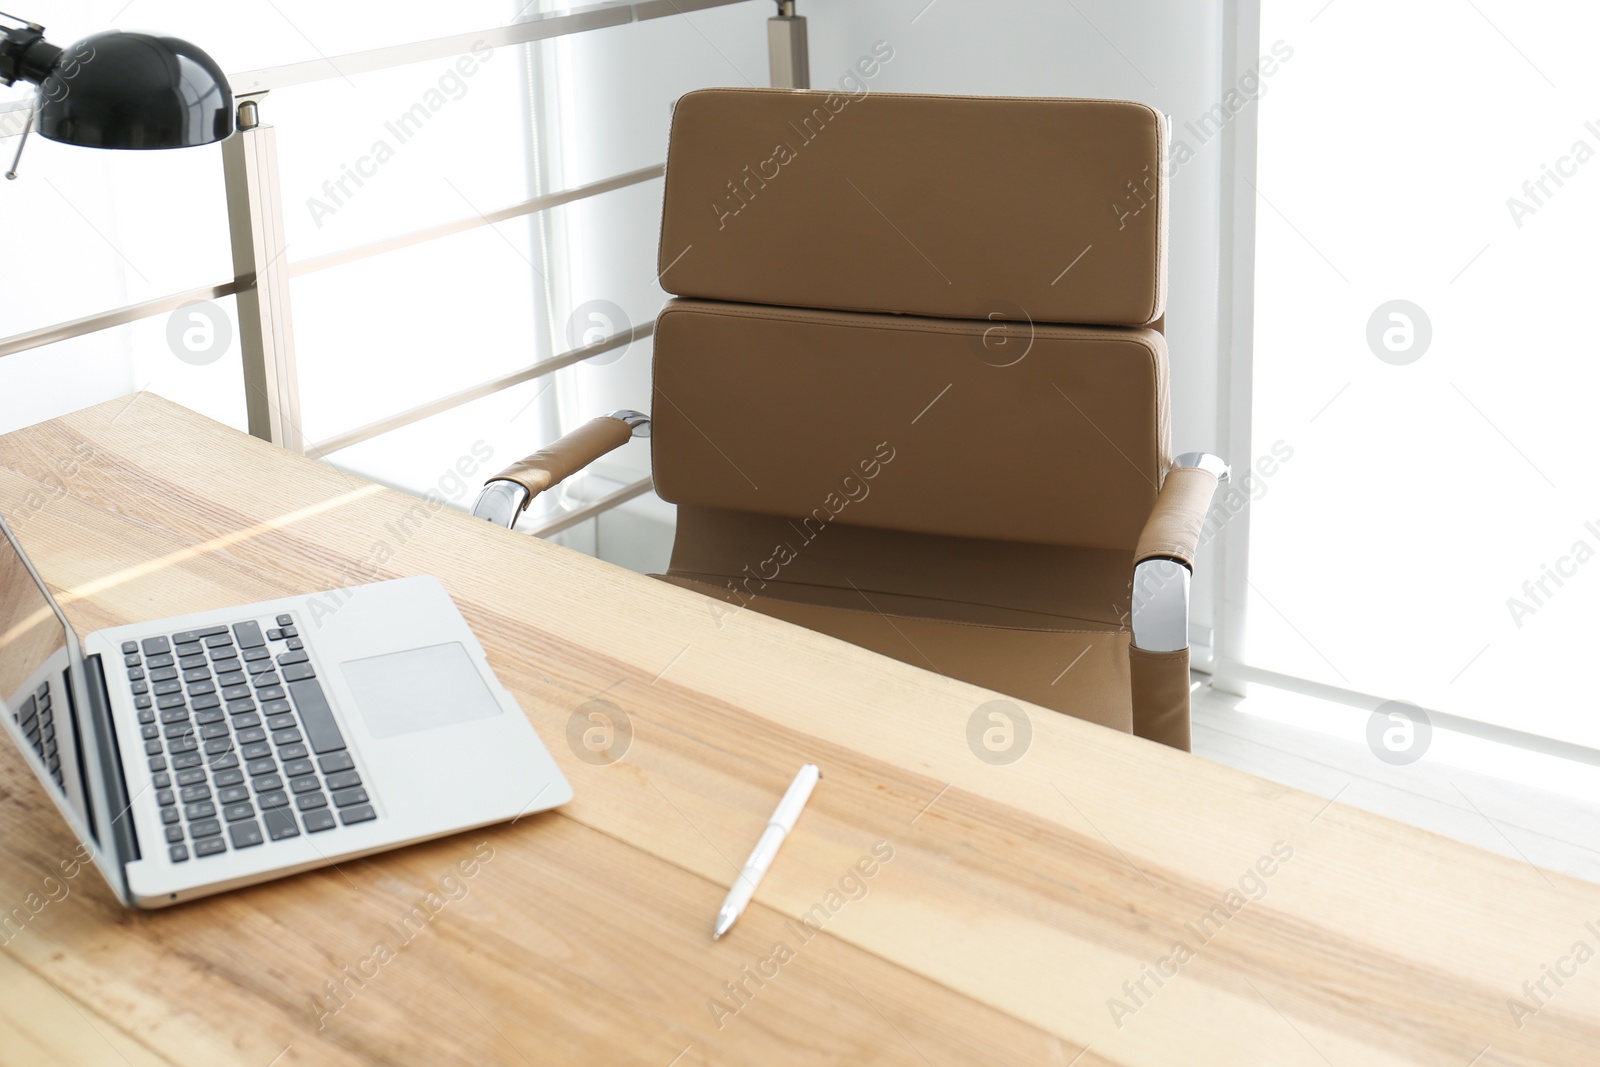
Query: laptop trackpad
420,689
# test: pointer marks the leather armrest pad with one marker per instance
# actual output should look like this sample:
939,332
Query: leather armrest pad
1173,529
566,457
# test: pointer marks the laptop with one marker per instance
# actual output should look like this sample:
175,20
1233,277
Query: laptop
201,753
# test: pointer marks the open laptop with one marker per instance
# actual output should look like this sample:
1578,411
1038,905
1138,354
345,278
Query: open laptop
201,753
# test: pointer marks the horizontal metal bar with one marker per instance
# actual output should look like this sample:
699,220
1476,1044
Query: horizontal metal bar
589,511
446,229
555,24
1230,673
477,392
104,320
657,9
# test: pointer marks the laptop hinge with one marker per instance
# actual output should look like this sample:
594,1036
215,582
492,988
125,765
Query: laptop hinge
124,839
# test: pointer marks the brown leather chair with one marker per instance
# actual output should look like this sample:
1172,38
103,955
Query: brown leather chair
912,390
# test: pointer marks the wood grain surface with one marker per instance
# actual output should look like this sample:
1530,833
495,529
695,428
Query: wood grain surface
1099,900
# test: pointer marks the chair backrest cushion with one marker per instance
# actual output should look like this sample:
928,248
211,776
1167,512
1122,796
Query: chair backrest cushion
950,207
1046,434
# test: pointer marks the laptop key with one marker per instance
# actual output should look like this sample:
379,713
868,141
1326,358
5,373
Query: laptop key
232,794
227,759
203,810
343,780
278,799
245,834
209,717
251,735
186,760
177,714
136,673
204,701
271,692
292,657
193,776
359,813
242,810
280,722
317,821
190,793
169,816
174,835
295,768
155,646
233,776
304,785
286,737
293,752
147,732
231,679
182,744
265,681
218,745
295,644
170,701
247,720
267,783
165,797
141,702
248,634
215,641
160,689
297,672
261,766
315,714
177,853
259,750
159,661
202,688
213,730
285,620
189,663
241,706
273,707
167,674
130,647
344,798
253,654
205,828
290,631
198,674
260,666
307,801
210,846
274,635
280,824
163,780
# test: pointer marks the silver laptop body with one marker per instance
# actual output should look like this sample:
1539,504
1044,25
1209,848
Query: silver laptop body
204,752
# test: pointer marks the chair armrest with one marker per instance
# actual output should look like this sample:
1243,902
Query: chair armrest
507,494
1164,558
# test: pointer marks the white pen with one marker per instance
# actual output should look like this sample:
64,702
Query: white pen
761,856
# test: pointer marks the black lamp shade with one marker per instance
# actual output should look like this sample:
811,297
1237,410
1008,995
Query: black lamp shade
134,90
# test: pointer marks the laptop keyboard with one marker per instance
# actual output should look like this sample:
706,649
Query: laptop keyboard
37,717
242,746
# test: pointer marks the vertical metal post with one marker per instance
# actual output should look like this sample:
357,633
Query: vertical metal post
787,50
255,224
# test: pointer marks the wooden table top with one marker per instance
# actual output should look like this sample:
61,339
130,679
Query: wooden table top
1100,893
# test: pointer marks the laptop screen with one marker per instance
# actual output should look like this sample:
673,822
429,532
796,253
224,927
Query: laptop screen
35,696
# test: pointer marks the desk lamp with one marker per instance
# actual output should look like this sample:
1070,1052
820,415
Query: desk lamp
118,90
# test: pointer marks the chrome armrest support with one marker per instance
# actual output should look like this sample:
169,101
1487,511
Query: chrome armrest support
500,501
1160,606
637,421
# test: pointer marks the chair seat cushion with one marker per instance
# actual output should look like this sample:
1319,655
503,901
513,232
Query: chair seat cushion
1081,672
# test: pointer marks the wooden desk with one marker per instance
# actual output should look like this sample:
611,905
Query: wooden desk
1018,901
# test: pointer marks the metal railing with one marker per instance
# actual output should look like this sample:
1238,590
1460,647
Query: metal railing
262,271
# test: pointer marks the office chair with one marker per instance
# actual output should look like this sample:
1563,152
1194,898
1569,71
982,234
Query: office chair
912,389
